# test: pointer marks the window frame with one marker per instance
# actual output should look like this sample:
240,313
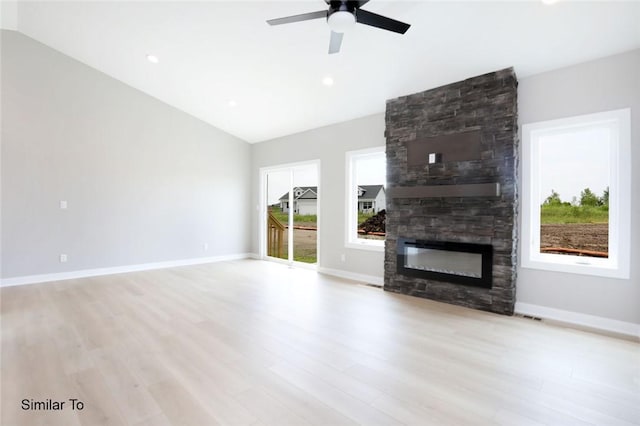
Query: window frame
351,202
617,265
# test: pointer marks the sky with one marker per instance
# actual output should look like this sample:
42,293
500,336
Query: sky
372,170
571,162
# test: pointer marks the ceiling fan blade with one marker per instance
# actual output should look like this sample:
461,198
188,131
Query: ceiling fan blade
335,42
362,3
298,18
379,21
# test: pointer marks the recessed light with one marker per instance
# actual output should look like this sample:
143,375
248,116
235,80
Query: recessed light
549,1
327,81
153,59
232,103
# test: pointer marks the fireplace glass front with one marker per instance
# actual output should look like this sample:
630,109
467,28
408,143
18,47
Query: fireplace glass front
461,263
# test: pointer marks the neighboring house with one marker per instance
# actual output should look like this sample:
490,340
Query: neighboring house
305,200
371,199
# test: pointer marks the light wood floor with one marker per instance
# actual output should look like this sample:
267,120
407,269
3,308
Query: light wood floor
257,343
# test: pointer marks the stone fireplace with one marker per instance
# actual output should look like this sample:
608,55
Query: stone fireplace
451,199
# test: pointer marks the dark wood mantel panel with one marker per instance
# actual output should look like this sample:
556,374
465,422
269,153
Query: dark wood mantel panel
430,191
464,146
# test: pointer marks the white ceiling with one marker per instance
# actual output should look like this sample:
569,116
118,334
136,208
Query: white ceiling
217,51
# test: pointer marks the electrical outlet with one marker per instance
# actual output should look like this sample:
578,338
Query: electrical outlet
63,205
343,257
205,246
63,258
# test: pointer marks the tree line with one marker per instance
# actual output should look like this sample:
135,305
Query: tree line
587,199
589,208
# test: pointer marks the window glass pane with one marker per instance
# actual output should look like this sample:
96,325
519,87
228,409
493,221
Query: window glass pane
370,179
305,214
574,181
278,183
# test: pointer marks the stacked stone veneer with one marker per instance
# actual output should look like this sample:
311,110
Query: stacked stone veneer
488,104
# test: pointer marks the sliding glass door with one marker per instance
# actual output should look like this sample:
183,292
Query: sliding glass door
290,216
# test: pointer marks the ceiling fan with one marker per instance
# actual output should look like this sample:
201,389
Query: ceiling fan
342,15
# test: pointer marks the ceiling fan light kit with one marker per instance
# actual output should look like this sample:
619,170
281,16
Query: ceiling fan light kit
343,15
341,21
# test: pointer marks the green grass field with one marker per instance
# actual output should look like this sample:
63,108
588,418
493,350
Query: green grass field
310,219
558,214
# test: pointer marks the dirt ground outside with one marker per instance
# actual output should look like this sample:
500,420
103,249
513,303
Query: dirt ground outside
582,236
304,245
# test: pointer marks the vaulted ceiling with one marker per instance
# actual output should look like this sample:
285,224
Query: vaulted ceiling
221,62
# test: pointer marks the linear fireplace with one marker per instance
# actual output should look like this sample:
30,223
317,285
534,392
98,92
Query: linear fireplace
459,263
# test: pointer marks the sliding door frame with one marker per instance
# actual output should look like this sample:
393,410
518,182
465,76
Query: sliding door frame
262,209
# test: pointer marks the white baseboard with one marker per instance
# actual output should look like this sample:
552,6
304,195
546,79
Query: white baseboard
59,276
575,318
368,279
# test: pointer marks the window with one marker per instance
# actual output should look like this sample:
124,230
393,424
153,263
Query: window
576,194
366,199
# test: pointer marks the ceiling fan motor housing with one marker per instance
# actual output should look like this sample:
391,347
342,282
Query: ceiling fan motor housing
342,6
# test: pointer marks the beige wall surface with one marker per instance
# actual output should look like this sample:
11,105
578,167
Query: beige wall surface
144,182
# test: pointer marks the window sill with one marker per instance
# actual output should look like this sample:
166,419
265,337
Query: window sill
578,265
366,246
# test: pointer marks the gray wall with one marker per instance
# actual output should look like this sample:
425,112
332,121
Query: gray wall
605,84
329,145
144,182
